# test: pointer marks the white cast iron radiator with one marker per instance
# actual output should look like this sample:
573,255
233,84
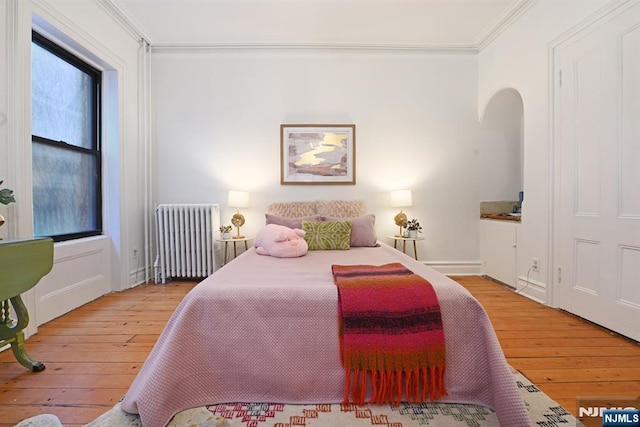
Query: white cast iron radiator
185,240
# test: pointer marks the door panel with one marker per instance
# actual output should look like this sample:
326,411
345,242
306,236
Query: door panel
630,125
585,261
81,273
597,155
629,285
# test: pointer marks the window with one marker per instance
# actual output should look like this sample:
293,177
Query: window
65,102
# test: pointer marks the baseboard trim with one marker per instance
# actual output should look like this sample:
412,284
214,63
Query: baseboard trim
136,277
532,289
456,268
536,291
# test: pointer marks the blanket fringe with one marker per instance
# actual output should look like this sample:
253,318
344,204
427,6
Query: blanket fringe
391,386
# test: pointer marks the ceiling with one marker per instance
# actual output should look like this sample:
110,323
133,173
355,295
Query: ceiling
404,24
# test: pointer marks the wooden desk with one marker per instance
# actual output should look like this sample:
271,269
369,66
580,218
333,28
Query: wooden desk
22,264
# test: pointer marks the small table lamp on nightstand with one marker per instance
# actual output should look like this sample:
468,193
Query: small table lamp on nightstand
401,199
238,199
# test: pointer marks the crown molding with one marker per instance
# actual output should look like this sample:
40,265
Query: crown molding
130,24
502,22
115,9
433,48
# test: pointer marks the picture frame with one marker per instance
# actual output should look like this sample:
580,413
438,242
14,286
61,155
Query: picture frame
317,154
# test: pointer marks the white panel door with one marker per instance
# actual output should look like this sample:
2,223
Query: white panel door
597,164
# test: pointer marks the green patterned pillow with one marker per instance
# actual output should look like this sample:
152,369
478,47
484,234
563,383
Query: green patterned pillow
327,235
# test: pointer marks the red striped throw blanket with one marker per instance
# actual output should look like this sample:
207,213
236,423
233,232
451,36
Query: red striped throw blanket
390,334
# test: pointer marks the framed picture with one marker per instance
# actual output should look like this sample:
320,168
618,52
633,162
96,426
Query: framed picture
317,154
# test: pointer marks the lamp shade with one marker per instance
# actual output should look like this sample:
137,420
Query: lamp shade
238,199
401,198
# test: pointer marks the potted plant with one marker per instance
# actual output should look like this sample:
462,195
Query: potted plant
413,228
225,231
6,197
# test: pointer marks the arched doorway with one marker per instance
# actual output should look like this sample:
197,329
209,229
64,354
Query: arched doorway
501,150
500,180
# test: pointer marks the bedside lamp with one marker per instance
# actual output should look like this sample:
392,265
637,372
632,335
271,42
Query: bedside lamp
238,199
401,199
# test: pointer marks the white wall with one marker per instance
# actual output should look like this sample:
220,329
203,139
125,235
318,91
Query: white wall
87,29
519,59
217,116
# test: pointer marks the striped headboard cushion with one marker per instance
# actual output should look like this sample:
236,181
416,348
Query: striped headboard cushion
333,208
292,209
341,208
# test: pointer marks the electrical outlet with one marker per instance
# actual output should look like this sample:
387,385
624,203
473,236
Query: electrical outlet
135,253
535,264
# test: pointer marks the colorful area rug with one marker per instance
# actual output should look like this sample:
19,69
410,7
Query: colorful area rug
543,410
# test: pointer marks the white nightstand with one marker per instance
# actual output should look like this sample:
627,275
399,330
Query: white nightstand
235,242
404,241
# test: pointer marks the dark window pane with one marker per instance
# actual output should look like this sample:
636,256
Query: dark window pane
66,145
62,99
64,191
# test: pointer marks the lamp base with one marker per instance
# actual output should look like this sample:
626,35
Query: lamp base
238,220
401,220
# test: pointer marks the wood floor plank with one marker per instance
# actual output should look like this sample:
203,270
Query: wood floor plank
569,363
80,381
50,357
590,375
591,389
126,316
585,341
92,356
93,353
142,338
501,324
54,397
544,333
70,368
90,345
71,339
570,351
126,329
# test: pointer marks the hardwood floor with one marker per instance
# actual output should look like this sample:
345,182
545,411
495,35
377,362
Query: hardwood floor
93,353
564,355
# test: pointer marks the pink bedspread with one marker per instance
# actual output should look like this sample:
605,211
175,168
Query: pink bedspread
264,329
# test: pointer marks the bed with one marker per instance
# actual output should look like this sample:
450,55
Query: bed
264,329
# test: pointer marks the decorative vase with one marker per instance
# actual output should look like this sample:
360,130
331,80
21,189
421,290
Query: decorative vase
413,234
225,236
